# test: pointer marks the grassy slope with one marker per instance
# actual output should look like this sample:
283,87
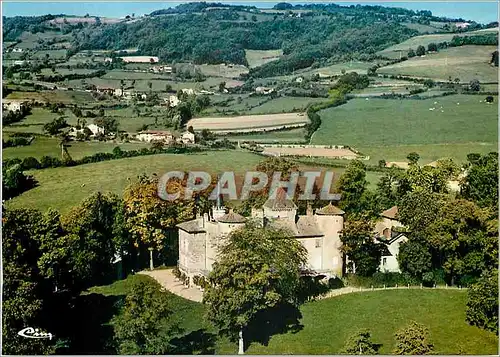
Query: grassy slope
465,62
61,188
397,124
424,40
327,323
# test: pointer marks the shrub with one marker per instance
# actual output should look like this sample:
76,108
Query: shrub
176,272
335,283
482,302
413,340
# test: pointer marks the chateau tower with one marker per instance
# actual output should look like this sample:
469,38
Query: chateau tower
330,221
280,207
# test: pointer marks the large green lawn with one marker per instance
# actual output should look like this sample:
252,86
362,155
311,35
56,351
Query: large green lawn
327,323
64,187
463,125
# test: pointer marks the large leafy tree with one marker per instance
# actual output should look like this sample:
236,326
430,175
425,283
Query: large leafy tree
25,291
360,343
149,218
481,182
91,227
360,247
352,185
144,326
257,270
414,258
482,302
413,340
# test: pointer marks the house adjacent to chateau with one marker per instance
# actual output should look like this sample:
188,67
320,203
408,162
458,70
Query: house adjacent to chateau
390,232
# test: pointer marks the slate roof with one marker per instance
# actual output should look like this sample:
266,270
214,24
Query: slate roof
305,227
232,217
390,213
330,210
191,226
281,202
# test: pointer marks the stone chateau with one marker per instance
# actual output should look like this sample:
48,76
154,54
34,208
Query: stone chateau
319,231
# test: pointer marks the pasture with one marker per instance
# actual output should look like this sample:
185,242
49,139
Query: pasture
464,62
424,40
64,187
248,122
42,146
326,324
285,105
256,58
392,123
54,96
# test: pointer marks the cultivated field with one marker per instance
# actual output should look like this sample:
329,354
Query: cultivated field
464,62
310,151
393,123
222,70
249,123
89,20
256,58
282,136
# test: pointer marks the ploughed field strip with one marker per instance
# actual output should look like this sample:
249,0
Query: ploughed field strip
246,122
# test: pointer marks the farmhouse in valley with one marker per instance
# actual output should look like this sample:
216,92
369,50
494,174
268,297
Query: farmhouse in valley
319,231
155,135
13,105
188,138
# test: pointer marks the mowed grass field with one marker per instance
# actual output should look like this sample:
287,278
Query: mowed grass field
328,323
64,187
285,105
401,125
464,62
256,58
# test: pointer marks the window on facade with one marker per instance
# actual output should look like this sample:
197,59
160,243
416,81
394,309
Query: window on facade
318,243
384,261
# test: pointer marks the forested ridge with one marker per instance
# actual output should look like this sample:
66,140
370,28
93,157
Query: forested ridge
205,38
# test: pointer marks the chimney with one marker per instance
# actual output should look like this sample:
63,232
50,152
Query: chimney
309,209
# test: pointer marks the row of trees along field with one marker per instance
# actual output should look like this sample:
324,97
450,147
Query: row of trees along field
50,259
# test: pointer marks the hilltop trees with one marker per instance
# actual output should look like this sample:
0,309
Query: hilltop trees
257,274
420,50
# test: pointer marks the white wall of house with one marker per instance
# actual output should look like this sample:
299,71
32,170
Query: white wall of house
390,263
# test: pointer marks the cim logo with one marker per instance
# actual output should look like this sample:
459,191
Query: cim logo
30,332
